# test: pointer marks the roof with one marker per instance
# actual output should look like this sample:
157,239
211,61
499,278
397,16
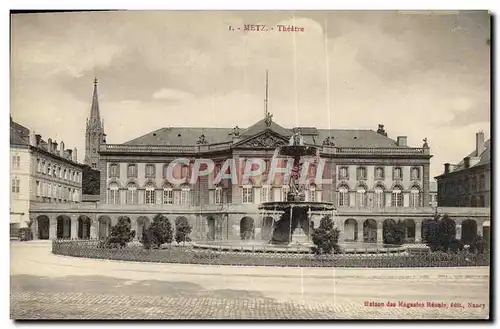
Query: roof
19,134
484,158
312,135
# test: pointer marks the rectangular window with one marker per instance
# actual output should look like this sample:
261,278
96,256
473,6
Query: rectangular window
16,160
113,170
150,171
185,199
361,173
247,196
15,185
265,195
415,173
344,173
168,196
37,188
311,195
132,171
398,173
218,196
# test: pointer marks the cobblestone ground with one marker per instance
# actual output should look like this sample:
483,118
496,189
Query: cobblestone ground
44,286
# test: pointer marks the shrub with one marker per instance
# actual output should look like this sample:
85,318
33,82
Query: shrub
441,234
478,245
326,237
120,234
182,230
25,234
158,233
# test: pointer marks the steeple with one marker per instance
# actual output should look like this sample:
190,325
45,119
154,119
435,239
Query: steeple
95,116
94,135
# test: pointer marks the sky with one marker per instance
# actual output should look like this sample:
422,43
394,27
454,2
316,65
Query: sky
421,74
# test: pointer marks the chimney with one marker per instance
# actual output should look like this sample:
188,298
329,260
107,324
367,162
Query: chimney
38,138
54,144
75,158
446,168
32,138
401,140
61,150
69,154
49,145
466,162
479,143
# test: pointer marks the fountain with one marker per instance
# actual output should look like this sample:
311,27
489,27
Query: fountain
295,213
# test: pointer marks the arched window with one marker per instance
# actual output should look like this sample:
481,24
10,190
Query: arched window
131,193
185,195
284,192
150,196
343,196
168,195
112,194
379,197
361,196
415,197
397,197
311,193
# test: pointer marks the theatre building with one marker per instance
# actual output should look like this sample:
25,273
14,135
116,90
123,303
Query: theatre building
375,180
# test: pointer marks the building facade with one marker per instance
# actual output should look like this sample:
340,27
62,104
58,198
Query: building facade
374,181
468,183
40,173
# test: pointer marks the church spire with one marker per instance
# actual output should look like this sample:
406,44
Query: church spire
95,116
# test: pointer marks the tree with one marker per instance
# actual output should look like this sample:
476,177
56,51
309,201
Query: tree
326,237
441,234
121,233
182,230
158,233
395,233
90,181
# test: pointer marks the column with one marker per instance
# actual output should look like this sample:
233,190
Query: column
74,227
425,187
94,224
380,232
458,233
360,231
418,231
479,228
52,227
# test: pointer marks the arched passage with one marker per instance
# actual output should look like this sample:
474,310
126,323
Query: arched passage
43,227
350,230
267,228
370,231
143,223
469,231
63,227
247,228
104,226
211,228
84,227
410,227
387,227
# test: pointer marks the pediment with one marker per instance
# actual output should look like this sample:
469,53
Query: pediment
266,139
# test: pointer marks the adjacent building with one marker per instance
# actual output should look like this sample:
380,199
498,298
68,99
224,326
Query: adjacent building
41,172
468,183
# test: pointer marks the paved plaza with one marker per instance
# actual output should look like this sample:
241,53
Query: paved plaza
46,286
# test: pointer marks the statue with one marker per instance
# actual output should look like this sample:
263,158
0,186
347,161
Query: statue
296,138
425,142
236,131
202,140
269,119
328,141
